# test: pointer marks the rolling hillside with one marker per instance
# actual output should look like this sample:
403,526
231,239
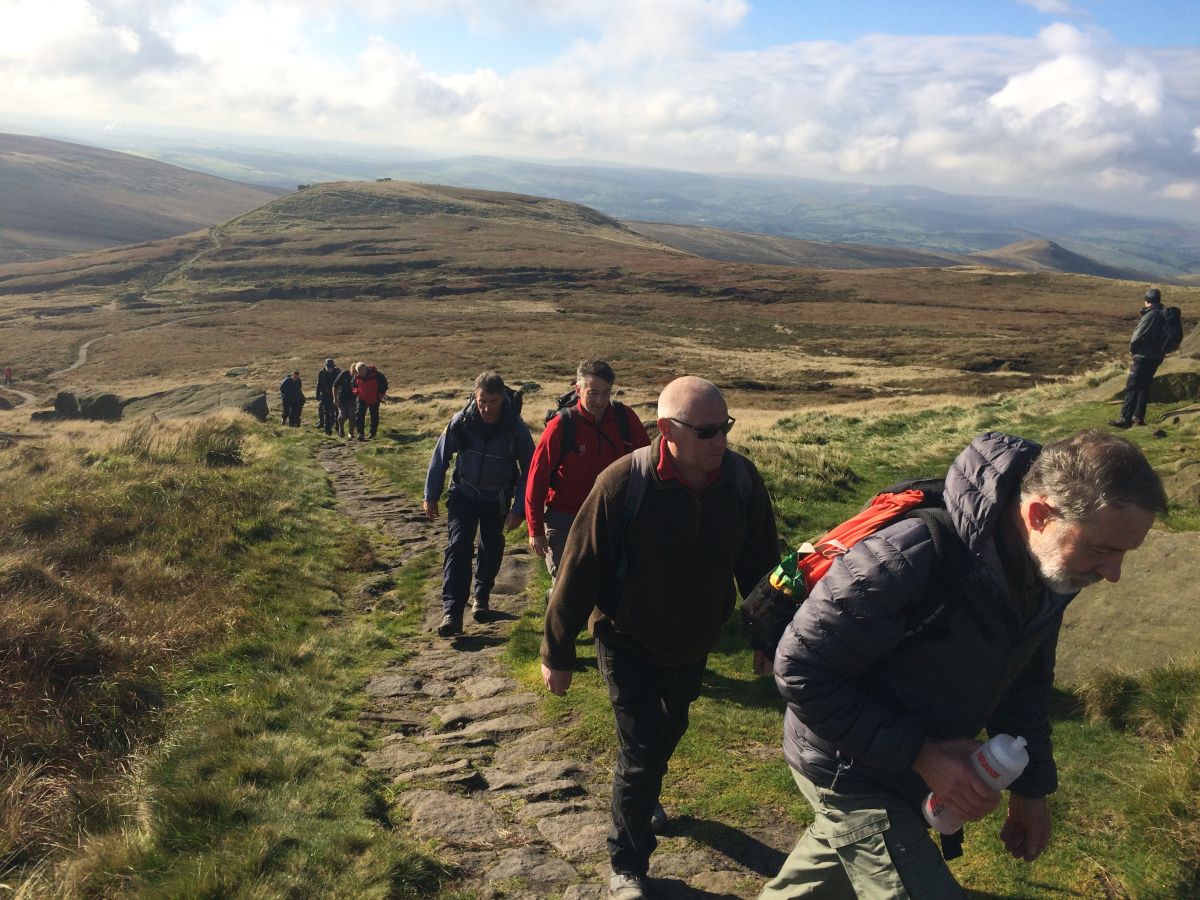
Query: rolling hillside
60,198
740,246
436,283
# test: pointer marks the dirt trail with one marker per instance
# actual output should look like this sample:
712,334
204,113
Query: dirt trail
499,792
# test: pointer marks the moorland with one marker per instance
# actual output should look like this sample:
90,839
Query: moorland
185,645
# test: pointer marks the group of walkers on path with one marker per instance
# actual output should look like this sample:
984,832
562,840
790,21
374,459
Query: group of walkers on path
346,399
648,543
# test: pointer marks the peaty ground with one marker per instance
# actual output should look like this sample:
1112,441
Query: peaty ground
480,773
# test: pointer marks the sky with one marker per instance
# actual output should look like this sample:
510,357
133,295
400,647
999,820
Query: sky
1095,102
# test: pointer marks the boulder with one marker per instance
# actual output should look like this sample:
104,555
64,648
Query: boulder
200,399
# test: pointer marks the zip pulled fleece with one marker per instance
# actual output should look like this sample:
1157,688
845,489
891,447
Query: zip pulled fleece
862,701
491,462
683,552
563,489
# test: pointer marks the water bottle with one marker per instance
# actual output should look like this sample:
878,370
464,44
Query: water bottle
998,763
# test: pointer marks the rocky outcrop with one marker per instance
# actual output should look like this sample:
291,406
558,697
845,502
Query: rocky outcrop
199,399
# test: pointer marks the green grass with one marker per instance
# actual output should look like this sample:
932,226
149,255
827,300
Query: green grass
222,760
243,754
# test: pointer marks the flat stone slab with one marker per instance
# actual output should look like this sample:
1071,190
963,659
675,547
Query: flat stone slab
532,812
483,686
394,685
578,835
460,821
533,868
539,744
433,773
499,779
585,892
396,756
453,715
499,726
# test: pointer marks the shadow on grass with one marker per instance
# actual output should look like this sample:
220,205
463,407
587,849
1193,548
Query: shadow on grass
744,849
760,693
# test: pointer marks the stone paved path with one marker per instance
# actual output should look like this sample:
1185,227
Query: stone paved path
500,794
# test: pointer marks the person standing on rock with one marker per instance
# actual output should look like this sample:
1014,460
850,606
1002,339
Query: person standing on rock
654,577
579,442
326,408
491,447
370,387
291,395
1146,348
344,400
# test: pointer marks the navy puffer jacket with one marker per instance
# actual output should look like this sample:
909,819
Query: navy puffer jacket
862,700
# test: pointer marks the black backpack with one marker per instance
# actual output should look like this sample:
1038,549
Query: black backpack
1172,333
564,407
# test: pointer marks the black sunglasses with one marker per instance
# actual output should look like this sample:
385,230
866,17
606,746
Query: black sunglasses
708,432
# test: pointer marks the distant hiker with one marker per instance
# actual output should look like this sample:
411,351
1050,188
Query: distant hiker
8,379
655,582
492,446
344,400
878,716
580,440
291,394
326,407
1147,346
370,387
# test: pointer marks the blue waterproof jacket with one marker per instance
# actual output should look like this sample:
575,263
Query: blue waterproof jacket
862,700
490,462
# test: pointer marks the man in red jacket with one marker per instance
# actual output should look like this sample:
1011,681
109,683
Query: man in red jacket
578,443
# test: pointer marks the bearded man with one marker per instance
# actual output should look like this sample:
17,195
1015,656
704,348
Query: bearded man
878,717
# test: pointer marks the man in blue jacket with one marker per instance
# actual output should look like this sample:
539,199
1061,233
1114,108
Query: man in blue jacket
492,447
878,716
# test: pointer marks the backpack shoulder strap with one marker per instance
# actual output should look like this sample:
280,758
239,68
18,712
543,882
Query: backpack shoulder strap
641,473
622,412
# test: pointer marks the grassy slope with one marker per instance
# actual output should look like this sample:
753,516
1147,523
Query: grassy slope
235,774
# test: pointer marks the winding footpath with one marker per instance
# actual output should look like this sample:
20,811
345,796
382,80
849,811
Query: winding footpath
501,794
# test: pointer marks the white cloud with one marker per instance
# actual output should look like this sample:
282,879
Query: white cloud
1181,190
1068,111
1117,179
1052,7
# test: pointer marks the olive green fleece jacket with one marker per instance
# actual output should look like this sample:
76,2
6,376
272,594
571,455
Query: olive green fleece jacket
683,552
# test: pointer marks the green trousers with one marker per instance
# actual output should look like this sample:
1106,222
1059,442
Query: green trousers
865,846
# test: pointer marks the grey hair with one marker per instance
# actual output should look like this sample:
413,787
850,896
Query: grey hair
489,383
595,368
1080,475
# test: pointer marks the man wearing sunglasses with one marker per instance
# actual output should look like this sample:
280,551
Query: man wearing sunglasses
657,584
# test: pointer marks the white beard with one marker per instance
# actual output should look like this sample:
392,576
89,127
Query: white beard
1047,553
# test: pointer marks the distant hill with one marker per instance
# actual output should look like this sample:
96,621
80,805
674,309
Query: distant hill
740,246
836,212
58,198
1047,256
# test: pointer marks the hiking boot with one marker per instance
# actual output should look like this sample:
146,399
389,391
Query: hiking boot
363,438
1120,423
1139,421
479,609
449,626
626,886
658,819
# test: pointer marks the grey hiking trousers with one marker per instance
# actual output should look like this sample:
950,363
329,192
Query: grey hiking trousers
862,847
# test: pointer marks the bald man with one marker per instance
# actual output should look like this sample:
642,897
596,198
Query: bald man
656,579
